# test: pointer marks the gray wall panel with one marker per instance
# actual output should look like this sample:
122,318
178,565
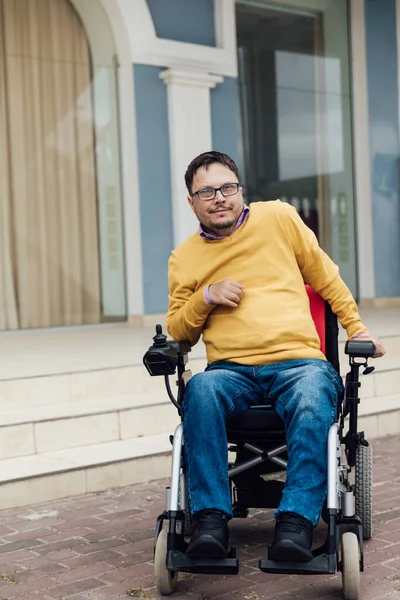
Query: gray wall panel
154,185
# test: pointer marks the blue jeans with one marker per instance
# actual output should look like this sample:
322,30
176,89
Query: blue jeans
305,393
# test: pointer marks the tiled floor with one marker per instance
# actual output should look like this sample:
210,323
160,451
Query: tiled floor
99,547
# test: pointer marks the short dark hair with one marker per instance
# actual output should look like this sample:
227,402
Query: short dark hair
205,160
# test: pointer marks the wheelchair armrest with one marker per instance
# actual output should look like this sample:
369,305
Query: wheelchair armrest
181,347
359,348
163,356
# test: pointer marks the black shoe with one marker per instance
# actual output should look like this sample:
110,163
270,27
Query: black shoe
292,539
211,535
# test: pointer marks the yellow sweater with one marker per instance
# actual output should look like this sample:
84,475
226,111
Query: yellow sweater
272,255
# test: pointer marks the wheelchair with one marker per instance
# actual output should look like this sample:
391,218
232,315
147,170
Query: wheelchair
256,438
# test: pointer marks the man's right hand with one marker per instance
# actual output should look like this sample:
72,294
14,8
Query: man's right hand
226,292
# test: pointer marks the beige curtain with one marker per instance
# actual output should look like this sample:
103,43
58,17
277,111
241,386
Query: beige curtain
49,261
8,306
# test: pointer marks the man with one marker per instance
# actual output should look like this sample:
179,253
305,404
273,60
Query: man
239,282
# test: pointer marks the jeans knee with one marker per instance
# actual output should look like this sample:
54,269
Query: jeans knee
197,385
317,398
203,391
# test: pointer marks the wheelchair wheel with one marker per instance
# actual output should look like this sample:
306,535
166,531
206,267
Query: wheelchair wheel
350,566
165,580
363,488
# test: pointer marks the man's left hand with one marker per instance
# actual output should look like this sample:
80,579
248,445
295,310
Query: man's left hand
379,349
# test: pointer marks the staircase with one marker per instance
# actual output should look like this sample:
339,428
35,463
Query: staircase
79,413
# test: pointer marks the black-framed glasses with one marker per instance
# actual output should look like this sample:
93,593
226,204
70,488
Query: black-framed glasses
228,189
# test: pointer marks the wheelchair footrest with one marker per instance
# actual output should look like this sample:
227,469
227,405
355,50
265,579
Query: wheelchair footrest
324,563
178,561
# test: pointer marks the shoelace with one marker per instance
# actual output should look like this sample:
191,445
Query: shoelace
210,520
293,523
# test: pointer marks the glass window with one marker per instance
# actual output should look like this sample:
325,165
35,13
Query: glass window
296,116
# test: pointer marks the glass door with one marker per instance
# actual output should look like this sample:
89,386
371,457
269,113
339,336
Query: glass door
294,84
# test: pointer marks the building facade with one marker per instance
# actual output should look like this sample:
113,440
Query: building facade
103,103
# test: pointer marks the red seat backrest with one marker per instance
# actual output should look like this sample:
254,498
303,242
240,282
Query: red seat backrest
317,308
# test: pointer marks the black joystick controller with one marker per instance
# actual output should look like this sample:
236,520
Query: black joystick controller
159,340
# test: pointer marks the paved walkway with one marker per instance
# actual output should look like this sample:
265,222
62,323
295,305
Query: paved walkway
100,547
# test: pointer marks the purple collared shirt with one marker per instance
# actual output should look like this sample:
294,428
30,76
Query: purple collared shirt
210,236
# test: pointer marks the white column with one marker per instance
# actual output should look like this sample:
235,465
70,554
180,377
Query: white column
189,116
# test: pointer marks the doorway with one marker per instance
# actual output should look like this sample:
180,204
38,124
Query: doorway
294,87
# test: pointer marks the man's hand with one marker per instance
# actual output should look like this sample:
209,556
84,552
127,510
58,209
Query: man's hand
226,292
379,349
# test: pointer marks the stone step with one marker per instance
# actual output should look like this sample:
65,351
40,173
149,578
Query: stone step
97,467
120,381
91,418
87,420
383,381
380,416
48,428
83,469
81,386
26,387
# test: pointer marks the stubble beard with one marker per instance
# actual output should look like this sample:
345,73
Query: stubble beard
222,227
224,224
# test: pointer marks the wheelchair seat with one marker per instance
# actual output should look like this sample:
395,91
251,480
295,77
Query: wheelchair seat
255,424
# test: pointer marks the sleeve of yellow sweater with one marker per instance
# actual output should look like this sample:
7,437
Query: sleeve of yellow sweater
187,310
321,273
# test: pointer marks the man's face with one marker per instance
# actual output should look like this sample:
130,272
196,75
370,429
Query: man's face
219,215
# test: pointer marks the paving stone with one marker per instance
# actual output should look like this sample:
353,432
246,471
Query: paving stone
23,544
89,547
34,561
65,591
108,556
68,575
18,555
50,569
9,590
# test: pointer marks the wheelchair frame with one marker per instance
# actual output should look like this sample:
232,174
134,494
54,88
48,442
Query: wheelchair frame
340,551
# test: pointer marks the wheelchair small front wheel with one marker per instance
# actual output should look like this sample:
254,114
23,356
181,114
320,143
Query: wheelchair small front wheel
350,553
165,580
